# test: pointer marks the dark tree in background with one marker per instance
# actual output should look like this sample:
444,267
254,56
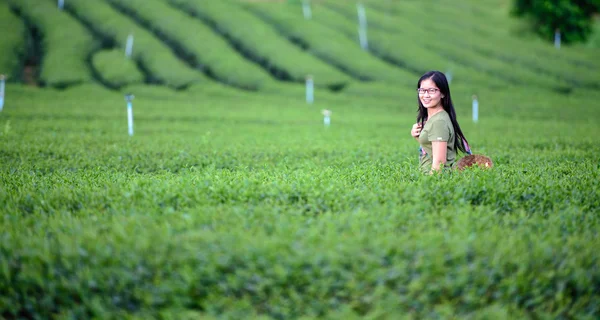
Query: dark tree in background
573,18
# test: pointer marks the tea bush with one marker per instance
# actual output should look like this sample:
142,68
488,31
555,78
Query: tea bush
249,206
485,43
208,50
262,43
115,69
12,44
399,46
457,49
229,203
342,53
161,65
63,39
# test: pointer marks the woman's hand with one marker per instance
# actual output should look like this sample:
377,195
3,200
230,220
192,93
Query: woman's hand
416,130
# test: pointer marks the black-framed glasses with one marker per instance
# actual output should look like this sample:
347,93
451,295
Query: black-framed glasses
430,90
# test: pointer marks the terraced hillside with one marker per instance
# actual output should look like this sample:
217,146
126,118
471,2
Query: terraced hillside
264,45
233,197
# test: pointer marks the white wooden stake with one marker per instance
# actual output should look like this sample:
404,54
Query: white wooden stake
129,46
449,76
326,117
362,26
310,90
306,9
129,98
362,37
2,79
557,39
475,109
61,4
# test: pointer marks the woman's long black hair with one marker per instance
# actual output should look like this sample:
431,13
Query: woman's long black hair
442,83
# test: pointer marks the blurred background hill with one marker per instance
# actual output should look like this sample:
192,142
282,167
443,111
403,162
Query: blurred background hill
271,47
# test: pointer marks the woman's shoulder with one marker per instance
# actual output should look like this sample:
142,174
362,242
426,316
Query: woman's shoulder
440,117
445,117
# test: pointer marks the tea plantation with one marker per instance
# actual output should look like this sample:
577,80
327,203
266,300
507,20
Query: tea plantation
233,200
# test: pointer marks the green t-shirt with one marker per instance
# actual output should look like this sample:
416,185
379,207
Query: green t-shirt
437,128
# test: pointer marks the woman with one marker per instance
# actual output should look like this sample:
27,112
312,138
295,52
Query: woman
436,129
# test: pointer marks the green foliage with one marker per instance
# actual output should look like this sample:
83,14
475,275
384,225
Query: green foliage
517,61
524,54
235,204
594,41
317,39
487,24
12,44
115,69
573,18
475,52
199,42
463,43
66,44
248,207
155,57
263,43
399,46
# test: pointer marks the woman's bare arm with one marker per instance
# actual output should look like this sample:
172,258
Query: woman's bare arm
439,149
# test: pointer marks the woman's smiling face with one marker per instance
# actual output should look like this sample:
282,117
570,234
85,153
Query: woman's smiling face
430,94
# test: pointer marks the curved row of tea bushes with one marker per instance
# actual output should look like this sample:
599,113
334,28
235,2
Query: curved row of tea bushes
546,63
154,57
485,20
329,45
12,44
208,50
262,43
456,50
66,44
116,70
398,48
